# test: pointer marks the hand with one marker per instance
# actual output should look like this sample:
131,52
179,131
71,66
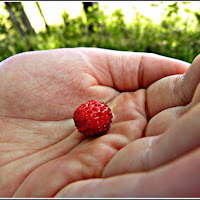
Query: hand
41,152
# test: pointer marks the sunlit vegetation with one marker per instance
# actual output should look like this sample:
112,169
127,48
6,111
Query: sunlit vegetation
173,37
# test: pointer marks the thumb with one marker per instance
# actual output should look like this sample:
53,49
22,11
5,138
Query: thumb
176,179
176,90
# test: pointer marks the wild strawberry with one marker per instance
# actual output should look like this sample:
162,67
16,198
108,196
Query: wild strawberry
93,118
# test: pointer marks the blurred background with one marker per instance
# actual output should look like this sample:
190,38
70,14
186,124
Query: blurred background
167,28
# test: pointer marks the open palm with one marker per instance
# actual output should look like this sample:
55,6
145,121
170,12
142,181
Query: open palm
41,151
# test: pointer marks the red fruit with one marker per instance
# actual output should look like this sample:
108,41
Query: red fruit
93,118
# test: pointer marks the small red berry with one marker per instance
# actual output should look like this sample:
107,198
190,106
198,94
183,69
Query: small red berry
93,118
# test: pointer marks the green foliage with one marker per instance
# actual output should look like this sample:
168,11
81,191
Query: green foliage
10,40
173,37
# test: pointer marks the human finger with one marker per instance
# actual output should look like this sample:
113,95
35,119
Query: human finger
151,152
176,179
173,91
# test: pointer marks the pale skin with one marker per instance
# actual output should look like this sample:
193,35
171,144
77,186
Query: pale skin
151,149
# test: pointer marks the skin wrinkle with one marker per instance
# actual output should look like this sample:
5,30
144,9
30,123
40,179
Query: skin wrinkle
110,72
23,142
96,72
114,151
86,165
24,99
142,127
48,145
142,112
36,149
81,166
86,160
179,91
184,96
74,87
29,88
39,97
100,143
99,169
140,73
47,92
16,92
73,79
18,157
17,124
123,65
40,86
126,141
122,73
113,75
36,166
99,73
11,144
86,93
36,119
51,141
6,136
86,59
13,85
105,73
2,128
128,72
126,98
146,111
13,123
38,105
110,99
